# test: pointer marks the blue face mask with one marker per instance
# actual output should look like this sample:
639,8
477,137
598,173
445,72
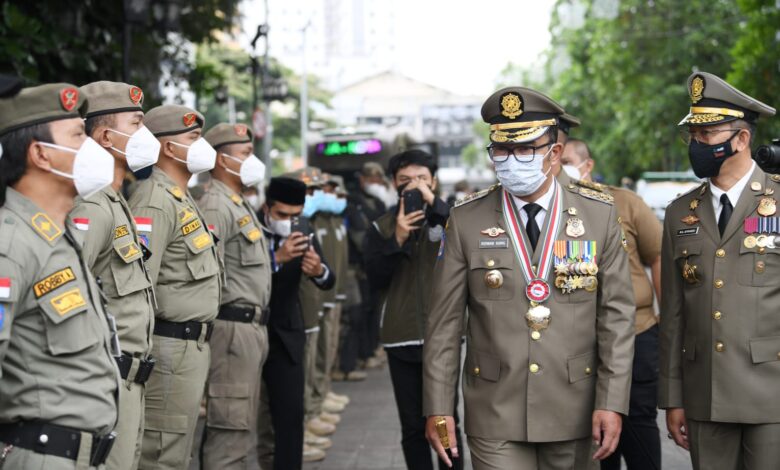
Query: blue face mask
314,203
333,204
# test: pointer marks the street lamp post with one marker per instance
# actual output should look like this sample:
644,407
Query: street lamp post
304,100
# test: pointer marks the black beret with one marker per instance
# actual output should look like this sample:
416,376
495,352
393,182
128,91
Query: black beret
287,191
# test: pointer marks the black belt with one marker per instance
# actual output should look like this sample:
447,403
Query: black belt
183,330
51,439
243,314
125,363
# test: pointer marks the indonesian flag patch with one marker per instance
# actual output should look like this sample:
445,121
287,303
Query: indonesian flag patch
5,287
211,227
143,224
81,223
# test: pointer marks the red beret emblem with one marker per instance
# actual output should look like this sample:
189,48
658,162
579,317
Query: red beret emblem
189,119
240,129
136,95
69,97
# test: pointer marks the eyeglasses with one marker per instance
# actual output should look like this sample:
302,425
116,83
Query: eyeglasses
703,135
521,153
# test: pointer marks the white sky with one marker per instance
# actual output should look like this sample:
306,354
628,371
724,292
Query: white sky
459,45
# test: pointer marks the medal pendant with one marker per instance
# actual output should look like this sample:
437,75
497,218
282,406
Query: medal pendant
750,242
761,241
767,206
575,227
537,317
689,273
537,291
591,283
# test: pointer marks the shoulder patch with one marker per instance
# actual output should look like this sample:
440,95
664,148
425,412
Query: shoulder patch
236,199
478,195
175,192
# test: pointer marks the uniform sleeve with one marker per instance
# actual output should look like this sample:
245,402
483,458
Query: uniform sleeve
221,223
614,323
100,232
382,255
158,239
648,230
441,350
671,337
10,285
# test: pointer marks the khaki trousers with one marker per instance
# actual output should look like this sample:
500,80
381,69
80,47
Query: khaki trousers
488,454
126,453
173,396
327,347
734,446
238,352
310,374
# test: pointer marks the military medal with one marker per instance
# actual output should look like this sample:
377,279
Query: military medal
689,272
537,290
694,204
575,228
494,279
493,232
690,219
572,211
750,242
767,206
755,186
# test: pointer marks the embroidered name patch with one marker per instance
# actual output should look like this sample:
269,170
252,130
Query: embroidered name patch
202,240
49,283
686,232
244,220
191,227
487,243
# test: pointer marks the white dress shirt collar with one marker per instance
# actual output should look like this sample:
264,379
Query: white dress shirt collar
733,193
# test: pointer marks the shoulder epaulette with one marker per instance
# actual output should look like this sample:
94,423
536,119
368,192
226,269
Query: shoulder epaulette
478,195
236,199
595,191
591,185
700,190
175,192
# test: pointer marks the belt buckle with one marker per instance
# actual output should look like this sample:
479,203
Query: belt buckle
101,447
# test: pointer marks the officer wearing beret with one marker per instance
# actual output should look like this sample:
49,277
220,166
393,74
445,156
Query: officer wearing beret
239,344
185,270
720,331
550,336
114,254
59,384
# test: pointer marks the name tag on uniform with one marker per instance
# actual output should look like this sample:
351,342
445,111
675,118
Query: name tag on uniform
488,243
686,232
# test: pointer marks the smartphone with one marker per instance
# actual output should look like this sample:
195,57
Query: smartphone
301,224
413,201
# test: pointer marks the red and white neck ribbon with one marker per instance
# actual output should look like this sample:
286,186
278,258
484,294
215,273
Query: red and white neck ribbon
538,289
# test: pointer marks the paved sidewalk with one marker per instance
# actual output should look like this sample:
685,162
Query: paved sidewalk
369,436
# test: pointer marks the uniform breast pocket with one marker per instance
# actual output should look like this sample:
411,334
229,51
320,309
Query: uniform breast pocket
758,269
252,246
201,262
688,259
127,268
492,275
68,322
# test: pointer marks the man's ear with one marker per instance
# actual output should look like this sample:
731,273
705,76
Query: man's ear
744,139
167,148
101,136
555,153
38,157
589,164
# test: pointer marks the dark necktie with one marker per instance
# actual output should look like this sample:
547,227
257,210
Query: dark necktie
531,228
725,213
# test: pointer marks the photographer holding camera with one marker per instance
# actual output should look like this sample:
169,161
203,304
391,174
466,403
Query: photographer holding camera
400,253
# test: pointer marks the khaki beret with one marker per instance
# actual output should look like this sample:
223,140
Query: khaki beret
519,114
112,97
714,101
311,176
39,104
225,134
172,119
338,182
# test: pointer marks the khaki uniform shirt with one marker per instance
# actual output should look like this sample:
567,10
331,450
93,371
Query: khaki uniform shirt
720,327
55,356
242,246
184,266
518,386
642,231
112,251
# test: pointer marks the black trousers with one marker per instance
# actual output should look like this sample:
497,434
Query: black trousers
368,323
640,441
283,378
350,337
407,376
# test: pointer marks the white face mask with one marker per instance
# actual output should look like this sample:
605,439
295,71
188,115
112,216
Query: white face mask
522,179
254,201
283,228
251,172
142,148
200,156
93,167
383,193
574,171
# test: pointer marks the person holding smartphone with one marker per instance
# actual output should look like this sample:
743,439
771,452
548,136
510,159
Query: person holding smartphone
401,251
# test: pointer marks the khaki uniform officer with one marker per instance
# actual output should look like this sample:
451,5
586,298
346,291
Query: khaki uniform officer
239,345
58,380
720,330
113,253
185,271
550,336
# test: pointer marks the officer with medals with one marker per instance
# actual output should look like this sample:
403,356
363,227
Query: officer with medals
185,271
239,344
550,334
113,253
720,331
59,384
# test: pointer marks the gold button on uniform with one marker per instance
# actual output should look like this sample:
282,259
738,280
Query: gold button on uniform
534,368
588,371
760,267
535,335
720,346
476,371
491,263
720,253
716,315
761,250
718,283
685,252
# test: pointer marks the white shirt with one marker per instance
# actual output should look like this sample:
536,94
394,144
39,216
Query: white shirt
733,193
544,201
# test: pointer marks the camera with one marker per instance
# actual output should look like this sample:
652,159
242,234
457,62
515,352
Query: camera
768,157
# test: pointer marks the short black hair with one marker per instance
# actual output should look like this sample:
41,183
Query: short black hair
412,157
580,148
13,162
92,123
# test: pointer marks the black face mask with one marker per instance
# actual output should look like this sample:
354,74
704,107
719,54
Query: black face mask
706,160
